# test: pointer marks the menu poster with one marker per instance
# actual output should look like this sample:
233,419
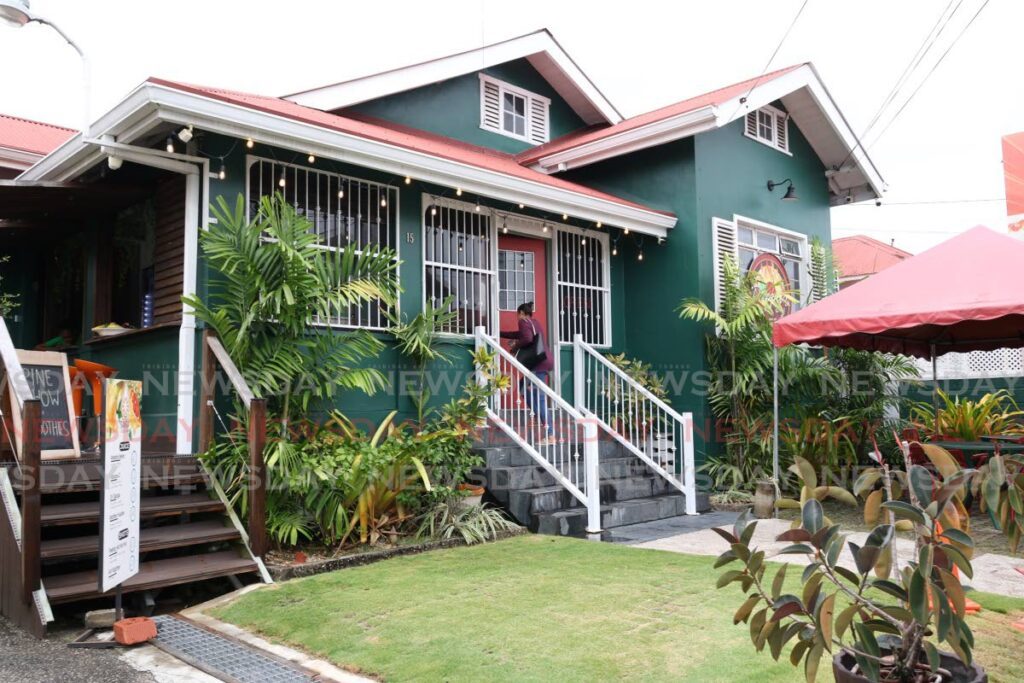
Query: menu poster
122,462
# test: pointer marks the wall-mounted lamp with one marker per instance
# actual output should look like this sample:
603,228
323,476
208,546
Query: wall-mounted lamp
790,195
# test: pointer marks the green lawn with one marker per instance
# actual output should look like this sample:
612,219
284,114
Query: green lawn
544,608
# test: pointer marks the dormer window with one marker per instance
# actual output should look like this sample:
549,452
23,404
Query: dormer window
517,113
769,126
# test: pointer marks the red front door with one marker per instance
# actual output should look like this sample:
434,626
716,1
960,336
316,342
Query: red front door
522,278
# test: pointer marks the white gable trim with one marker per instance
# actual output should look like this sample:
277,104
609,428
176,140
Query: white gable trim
152,104
858,175
543,51
18,159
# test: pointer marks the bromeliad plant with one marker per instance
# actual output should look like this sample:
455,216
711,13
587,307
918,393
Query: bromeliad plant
963,418
891,628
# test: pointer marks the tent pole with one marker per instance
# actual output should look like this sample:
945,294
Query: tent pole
775,417
935,389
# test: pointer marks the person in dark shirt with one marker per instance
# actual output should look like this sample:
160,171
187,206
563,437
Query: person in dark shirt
527,334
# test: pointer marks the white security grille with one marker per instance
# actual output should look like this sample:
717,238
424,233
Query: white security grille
583,287
457,244
345,213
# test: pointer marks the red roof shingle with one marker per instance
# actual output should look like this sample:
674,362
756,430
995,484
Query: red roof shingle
31,136
859,256
713,98
401,136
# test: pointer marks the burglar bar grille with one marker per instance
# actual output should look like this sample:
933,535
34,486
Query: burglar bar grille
343,212
457,256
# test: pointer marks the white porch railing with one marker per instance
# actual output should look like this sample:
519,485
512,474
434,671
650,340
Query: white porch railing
565,445
635,417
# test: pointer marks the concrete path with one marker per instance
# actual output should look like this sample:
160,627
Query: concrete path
993,573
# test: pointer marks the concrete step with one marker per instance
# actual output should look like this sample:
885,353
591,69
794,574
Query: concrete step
573,522
524,503
498,449
533,475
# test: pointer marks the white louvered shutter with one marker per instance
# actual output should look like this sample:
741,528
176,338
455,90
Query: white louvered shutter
538,121
490,105
751,123
723,237
782,132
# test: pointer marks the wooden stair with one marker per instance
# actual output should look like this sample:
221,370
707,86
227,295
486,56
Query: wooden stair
186,533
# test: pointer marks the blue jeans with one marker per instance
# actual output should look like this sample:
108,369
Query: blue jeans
535,398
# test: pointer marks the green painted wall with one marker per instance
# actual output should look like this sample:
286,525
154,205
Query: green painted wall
718,173
452,108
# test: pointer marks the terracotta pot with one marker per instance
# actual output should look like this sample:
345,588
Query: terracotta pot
764,500
843,662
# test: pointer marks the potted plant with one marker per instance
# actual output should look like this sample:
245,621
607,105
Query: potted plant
875,628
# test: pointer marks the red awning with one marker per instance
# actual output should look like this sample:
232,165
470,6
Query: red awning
966,294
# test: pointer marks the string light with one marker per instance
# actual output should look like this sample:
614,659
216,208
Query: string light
504,226
458,191
170,144
522,206
626,231
311,159
223,172
433,210
545,228
249,143
478,206
383,201
281,181
341,194
565,216
599,225
615,250
408,180
640,256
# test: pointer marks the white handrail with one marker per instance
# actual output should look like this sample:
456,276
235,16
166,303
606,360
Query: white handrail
642,423
557,435
15,373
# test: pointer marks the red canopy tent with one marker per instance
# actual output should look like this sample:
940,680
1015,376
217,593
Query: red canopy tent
966,294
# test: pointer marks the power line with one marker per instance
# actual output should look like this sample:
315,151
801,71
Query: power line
934,201
930,72
771,59
915,61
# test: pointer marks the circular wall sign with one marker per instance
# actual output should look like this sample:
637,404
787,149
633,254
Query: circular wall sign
770,276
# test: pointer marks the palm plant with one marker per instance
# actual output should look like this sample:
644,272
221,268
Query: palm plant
740,354
272,283
420,339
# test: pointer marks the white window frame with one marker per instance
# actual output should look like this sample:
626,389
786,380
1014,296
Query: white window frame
492,274
529,98
393,196
776,115
806,284
605,290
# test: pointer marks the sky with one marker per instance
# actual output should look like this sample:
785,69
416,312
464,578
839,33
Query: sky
944,146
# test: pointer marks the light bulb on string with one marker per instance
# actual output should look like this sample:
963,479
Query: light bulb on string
170,144
478,206
458,191
522,206
504,226
640,256
341,194
383,201
281,182
565,216
223,172
249,143
545,228
615,250
408,180
626,231
311,159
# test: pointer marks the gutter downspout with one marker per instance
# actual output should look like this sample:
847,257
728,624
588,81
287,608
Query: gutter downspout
195,169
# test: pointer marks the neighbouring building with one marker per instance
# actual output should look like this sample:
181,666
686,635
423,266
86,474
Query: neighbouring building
24,142
859,256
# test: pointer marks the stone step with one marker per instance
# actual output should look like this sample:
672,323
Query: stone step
525,503
499,450
507,478
573,522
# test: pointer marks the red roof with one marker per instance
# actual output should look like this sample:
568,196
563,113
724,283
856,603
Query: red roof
962,295
859,256
1013,170
31,136
713,98
400,136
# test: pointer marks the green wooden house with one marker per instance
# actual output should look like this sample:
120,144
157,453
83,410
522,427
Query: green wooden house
510,153
499,176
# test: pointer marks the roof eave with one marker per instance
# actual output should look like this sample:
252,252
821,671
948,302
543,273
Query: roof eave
153,103
586,98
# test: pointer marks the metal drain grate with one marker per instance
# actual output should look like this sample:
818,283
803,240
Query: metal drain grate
222,657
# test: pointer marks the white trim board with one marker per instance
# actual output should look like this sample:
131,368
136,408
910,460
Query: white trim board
540,47
152,103
810,107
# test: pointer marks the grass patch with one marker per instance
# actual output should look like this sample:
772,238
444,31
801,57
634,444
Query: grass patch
535,608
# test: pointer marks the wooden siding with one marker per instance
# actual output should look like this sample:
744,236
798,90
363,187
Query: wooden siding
169,251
